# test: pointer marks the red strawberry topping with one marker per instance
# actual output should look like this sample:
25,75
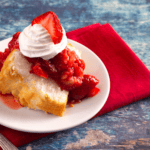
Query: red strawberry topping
93,92
89,82
51,23
13,44
36,69
66,69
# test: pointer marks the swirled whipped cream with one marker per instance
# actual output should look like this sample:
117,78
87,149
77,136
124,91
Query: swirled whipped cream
35,41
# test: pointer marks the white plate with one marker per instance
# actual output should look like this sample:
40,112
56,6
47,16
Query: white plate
37,121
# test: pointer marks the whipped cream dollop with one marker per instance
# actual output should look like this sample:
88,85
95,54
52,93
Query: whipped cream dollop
35,41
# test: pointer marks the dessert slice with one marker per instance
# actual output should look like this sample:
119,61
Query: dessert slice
42,70
31,90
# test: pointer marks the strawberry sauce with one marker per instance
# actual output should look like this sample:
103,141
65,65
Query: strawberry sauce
10,101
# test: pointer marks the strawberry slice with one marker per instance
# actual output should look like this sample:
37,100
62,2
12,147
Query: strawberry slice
51,23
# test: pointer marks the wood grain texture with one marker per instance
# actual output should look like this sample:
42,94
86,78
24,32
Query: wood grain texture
125,128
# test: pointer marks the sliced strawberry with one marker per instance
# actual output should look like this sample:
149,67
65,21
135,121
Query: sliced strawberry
51,23
93,92
36,69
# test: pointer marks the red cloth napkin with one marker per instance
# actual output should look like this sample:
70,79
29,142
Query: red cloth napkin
130,79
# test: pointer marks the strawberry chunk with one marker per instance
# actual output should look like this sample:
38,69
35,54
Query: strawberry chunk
36,69
93,92
1,57
51,23
13,44
89,82
1,65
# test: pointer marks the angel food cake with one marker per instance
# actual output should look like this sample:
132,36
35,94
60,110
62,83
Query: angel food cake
42,70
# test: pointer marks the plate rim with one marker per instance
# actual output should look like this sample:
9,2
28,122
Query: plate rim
76,124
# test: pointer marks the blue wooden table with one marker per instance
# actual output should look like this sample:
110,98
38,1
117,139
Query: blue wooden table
125,128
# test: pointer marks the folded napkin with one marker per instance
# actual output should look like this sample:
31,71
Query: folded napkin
130,79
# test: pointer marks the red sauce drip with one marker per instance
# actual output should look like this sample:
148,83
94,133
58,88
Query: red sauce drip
10,101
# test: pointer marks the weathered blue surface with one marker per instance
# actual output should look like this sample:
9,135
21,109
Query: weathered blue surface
128,127
130,18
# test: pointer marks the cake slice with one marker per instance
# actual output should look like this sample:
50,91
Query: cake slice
31,90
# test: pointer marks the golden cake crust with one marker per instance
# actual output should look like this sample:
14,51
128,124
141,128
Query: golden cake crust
11,81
